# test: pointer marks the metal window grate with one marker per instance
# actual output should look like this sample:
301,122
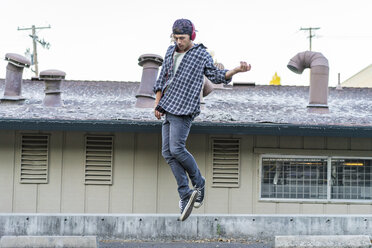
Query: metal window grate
98,159
351,179
226,163
34,158
294,178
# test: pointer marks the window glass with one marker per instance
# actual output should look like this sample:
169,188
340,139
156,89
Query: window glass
351,179
294,178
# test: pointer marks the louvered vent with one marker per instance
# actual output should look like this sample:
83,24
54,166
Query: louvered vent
34,158
226,162
98,159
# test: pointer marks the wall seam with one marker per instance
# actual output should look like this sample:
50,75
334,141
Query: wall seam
62,163
14,167
133,168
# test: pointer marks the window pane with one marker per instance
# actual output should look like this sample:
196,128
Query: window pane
294,178
351,179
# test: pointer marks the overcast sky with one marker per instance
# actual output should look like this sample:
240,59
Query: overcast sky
102,40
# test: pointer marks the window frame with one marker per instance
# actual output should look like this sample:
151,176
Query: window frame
301,200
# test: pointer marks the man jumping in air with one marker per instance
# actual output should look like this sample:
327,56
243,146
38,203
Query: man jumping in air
178,98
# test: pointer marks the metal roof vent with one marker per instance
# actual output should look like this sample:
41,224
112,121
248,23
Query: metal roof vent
150,63
52,79
13,80
318,96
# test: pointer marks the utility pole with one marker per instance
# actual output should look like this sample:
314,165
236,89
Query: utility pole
34,40
311,35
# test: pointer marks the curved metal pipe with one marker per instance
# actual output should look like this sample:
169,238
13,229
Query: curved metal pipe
319,76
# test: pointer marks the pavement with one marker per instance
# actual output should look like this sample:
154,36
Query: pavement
185,244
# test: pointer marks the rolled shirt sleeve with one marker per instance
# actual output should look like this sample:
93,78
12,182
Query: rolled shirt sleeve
214,74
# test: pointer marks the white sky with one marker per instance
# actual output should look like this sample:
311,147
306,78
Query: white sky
102,40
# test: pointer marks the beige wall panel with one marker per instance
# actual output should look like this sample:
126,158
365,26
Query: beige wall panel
360,209
73,189
167,194
6,170
295,142
288,208
49,195
25,195
146,173
121,192
308,208
198,146
97,198
265,208
361,144
264,141
242,198
216,200
314,142
336,209
338,143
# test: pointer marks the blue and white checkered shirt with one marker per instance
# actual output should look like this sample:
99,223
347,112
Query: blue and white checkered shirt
182,96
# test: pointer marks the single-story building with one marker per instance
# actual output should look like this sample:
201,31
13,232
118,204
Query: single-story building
260,147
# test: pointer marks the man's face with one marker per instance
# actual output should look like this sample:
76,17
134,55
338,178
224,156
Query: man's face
183,42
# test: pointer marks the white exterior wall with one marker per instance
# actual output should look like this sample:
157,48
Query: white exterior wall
143,182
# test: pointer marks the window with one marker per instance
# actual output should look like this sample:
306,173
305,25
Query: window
226,162
34,158
316,178
98,159
351,179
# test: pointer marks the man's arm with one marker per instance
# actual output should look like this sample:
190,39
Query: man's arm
157,99
242,68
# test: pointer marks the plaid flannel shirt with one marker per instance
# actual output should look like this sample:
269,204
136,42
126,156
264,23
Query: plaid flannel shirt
182,96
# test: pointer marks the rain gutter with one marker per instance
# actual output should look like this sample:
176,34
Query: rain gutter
197,127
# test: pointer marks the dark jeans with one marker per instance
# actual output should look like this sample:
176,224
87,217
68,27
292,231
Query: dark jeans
175,131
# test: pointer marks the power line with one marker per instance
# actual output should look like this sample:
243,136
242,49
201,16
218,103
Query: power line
34,40
311,35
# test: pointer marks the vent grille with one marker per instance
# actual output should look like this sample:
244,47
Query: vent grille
34,158
226,163
98,159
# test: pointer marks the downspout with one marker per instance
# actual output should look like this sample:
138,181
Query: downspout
319,76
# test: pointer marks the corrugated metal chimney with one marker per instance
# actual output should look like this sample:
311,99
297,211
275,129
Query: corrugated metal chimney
52,79
13,80
145,95
318,96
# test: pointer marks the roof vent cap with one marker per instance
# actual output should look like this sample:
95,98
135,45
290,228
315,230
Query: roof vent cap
52,75
17,60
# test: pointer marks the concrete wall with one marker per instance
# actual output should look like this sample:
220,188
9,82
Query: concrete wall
166,226
143,182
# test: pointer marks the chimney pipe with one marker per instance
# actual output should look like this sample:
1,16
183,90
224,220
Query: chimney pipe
13,80
52,79
318,96
150,63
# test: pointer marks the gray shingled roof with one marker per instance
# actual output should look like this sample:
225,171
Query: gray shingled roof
240,106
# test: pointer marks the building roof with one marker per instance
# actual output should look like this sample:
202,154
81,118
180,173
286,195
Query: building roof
264,109
361,79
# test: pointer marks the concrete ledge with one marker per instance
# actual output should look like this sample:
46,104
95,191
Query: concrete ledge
323,241
167,226
48,241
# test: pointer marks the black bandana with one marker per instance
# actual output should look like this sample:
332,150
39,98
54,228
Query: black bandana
182,26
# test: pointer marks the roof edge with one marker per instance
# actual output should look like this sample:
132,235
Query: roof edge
276,129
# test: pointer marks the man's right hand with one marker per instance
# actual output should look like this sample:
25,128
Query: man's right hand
158,114
157,100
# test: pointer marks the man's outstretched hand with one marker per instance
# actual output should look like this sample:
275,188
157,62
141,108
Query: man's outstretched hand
244,67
